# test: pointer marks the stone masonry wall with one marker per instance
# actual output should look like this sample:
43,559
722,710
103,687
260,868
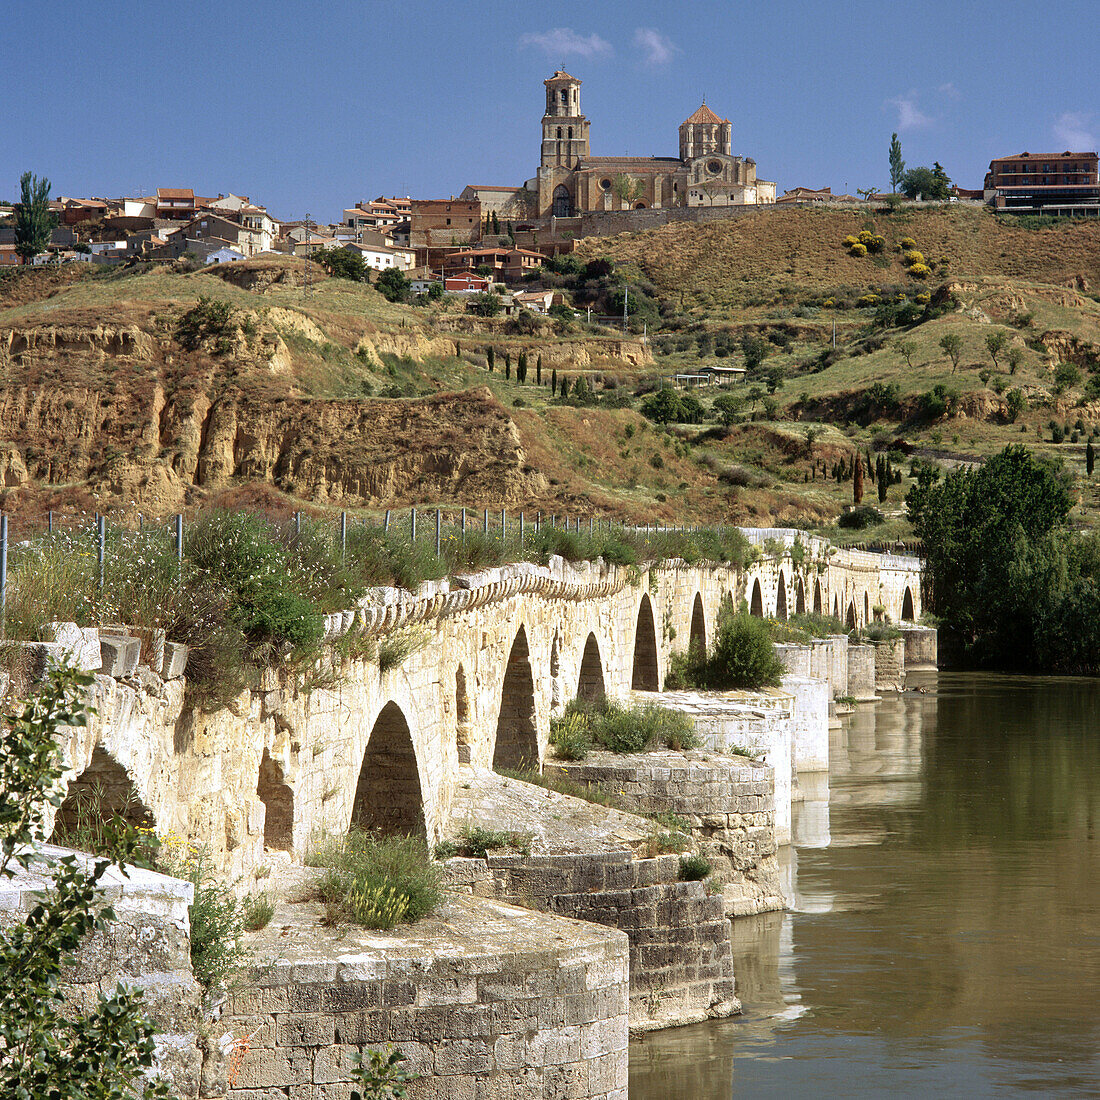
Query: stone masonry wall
890,665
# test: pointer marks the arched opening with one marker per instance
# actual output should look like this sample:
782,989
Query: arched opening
103,790
563,202
645,676
639,206
836,608
852,615
517,742
387,796
462,716
907,606
817,598
697,636
559,133
756,604
278,803
800,598
555,673
590,685
781,599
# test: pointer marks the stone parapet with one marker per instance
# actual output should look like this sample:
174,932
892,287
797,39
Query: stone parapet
809,723
890,665
921,648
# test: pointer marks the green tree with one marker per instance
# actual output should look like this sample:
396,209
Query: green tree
33,220
1016,403
995,343
393,285
663,407
538,371
1015,358
46,1048
755,350
989,546
521,368
626,189
343,263
906,347
435,292
553,381
857,481
490,358
563,388
897,165
1090,458
952,344
484,304
927,183
1066,376
727,407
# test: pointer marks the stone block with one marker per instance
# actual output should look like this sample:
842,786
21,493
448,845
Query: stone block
79,644
175,661
119,655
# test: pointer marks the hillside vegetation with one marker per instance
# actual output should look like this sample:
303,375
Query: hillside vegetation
157,389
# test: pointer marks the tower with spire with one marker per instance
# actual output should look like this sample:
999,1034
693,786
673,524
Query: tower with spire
564,128
704,133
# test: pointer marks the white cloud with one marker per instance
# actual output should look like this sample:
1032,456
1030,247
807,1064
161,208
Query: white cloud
656,47
948,90
910,116
1073,132
562,41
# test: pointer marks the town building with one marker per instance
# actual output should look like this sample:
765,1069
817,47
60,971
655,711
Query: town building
1044,183
437,222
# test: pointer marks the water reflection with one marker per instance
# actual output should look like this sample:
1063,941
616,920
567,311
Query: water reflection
944,934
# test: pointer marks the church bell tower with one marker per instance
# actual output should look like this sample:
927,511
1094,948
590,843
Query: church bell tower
564,128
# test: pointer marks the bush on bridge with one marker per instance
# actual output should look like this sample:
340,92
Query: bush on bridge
742,658
619,728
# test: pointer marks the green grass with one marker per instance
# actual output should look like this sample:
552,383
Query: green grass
377,882
619,728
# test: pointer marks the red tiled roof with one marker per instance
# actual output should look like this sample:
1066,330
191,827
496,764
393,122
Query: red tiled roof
175,193
704,114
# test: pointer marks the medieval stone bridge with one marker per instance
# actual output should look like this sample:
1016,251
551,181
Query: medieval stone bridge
494,655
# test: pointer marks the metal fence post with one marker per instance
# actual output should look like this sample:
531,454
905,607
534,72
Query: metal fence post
101,547
503,527
4,576
463,526
297,523
412,525
521,531
438,533
49,522
485,522
386,523
343,535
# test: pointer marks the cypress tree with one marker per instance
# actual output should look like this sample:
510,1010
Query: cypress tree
554,382
491,357
33,220
507,366
538,371
1090,457
521,368
564,387
857,483
883,487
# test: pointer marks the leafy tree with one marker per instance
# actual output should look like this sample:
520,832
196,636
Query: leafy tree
952,344
343,263
995,343
1066,376
46,1048
563,387
393,285
1090,458
1015,358
727,407
33,220
484,304
491,358
435,292
663,407
906,347
553,381
521,368
538,371
755,350
927,183
897,165
1016,403
626,189
999,566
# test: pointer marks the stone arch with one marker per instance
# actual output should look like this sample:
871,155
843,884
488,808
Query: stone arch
697,635
639,206
818,603
800,598
590,682
836,607
781,599
388,795
278,799
852,615
756,604
102,790
517,742
462,716
563,202
907,605
645,676
555,672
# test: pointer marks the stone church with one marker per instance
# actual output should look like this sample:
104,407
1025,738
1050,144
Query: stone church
572,181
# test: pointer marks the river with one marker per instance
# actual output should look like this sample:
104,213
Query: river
944,931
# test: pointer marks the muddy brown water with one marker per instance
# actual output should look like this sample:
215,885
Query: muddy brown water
944,934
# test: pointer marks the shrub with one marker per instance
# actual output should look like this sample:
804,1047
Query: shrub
257,910
742,658
570,736
864,516
908,243
858,249
920,271
694,868
377,882
628,729
912,256
867,300
476,842
484,304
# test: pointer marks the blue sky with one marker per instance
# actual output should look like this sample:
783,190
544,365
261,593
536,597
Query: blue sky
308,107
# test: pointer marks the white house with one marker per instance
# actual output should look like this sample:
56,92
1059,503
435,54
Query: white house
224,256
380,256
